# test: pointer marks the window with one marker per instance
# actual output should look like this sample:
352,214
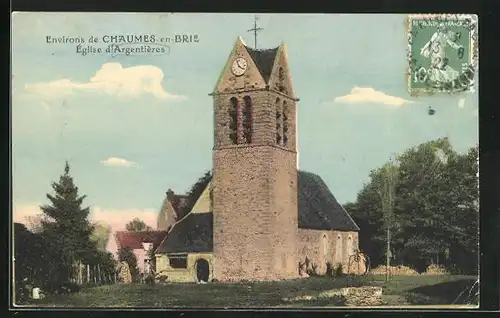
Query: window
178,261
281,78
281,74
278,122
325,246
233,120
247,120
285,123
350,246
338,249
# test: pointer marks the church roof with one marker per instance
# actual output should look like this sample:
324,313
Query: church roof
264,59
318,209
193,234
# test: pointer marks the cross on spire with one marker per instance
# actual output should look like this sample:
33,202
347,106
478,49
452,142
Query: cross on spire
255,29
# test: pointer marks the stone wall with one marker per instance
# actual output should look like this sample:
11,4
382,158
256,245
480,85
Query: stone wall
283,213
180,275
313,245
255,215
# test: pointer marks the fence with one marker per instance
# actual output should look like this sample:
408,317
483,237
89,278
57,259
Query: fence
92,274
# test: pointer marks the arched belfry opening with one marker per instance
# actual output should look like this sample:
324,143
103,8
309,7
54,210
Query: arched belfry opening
247,120
285,123
279,122
233,120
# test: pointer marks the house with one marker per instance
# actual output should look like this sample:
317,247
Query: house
258,216
140,243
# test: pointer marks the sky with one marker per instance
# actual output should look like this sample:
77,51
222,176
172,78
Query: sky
134,126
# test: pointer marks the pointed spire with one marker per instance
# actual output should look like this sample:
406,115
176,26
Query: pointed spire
241,40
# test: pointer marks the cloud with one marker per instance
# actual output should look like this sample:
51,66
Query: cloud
115,218
117,162
22,213
370,95
114,80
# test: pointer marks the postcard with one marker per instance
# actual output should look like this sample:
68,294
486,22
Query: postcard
210,160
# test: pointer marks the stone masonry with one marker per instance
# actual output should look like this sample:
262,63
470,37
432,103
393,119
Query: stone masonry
254,185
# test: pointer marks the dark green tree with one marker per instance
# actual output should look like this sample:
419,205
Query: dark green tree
435,215
66,229
137,225
31,263
127,255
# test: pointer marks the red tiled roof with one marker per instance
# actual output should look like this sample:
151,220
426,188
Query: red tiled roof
134,240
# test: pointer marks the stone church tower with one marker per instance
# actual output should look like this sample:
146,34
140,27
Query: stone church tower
254,186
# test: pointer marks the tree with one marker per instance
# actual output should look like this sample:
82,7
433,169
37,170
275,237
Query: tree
66,229
100,235
127,255
194,193
137,225
30,261
435,210
34,222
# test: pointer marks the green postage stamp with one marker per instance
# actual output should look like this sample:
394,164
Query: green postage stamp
442,53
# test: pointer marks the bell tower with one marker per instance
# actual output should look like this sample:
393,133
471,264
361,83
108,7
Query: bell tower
254,185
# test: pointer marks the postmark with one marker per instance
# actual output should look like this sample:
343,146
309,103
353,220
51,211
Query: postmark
442,53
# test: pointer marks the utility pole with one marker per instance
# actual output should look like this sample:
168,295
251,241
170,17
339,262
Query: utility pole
387,197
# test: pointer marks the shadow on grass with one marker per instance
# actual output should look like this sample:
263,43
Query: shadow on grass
439,294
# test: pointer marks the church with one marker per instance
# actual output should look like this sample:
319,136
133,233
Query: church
258,216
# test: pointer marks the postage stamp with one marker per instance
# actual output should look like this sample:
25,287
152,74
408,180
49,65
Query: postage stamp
442,52
157,163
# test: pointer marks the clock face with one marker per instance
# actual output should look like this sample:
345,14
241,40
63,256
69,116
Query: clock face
239,66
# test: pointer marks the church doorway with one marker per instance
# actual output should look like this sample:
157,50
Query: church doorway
202,270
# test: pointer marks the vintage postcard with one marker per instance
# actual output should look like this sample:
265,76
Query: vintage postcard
156,160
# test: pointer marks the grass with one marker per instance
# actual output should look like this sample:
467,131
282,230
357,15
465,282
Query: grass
401,290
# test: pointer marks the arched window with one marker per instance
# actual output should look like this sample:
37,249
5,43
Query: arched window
278,122
285,123
325,246
247,120
233,120
338,249
350,246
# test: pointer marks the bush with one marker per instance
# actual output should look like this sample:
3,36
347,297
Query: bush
150,279
339,271
330,272
127,255
161,277
313,271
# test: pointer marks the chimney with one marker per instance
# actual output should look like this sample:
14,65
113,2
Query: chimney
170,195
